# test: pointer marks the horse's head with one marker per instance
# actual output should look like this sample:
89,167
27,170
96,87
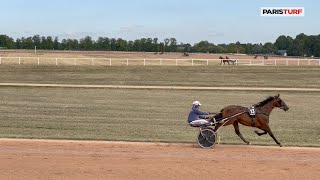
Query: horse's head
280,104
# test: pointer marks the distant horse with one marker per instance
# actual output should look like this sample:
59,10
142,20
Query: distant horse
227,60
261,119
233,61
255,57
265,57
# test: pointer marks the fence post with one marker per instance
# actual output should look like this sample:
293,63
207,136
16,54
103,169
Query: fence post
127,62
207,62
92,62
144,62
110,62
319,62
19,60
38,61
192,62
56,61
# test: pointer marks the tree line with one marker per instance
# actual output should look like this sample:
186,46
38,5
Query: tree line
301,45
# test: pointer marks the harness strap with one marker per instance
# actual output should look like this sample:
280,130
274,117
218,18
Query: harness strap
264,113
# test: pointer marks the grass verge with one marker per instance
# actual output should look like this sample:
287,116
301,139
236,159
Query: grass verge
145,115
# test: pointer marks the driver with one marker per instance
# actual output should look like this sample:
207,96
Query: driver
196,116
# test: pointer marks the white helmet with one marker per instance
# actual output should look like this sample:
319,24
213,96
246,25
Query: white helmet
197,103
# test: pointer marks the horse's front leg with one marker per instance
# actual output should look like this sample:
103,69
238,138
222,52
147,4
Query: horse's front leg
237,130
271,134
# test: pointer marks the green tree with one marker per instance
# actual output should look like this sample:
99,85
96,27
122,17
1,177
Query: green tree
103,43
6,41
130,45
269,48
18,44
136,46
43,44
63,44
283,42
56,44
166,43
50,44
202,46
143,44
257,48
29,43
36,41
316,47
161,47
173,45
121,45
149,45
298,47
156,47
73,44
113,44
86,43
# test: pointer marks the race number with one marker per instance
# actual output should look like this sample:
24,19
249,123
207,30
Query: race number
252,111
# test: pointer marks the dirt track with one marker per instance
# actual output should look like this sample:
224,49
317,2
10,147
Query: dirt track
52,159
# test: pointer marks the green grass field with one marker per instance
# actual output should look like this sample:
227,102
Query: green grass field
242,76
152,115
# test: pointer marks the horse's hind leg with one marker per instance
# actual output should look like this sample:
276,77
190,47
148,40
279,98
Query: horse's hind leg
237,130
271,134
261,133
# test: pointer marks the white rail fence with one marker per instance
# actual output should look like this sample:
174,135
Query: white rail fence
144,62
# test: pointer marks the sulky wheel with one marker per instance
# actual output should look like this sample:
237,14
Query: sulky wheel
206,138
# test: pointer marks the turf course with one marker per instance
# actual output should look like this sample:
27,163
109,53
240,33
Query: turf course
151,115
241,76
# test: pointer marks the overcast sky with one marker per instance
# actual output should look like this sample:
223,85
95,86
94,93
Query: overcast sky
189,21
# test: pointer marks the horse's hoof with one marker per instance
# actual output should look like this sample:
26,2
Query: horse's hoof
280,145
249,143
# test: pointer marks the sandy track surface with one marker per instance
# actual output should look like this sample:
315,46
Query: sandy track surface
54,159
160,87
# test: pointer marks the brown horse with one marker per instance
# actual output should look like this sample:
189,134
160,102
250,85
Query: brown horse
227,60
261,119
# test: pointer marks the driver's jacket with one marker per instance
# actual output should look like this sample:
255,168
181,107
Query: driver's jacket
196,114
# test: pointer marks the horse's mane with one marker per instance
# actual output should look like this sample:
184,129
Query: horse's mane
264,102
